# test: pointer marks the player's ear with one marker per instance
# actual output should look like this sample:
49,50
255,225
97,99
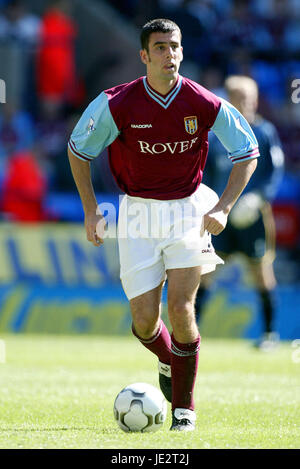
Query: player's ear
144,56
181,48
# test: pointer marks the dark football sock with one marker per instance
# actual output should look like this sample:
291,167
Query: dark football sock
159,344
267,308
184,365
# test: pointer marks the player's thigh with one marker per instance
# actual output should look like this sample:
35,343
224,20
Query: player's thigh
251,240
182,288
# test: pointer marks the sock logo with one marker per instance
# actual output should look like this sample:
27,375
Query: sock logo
164,368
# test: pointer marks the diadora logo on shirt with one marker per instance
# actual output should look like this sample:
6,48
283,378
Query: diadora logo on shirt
141,126
172,147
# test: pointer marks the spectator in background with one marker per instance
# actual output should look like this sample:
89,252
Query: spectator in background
16,130
281,18
24,188
57,79
279,21
251,228
19,25
16,133
52,131
242,28
19,33
205,11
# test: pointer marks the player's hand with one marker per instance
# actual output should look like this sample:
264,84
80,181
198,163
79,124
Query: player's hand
215,221
95,228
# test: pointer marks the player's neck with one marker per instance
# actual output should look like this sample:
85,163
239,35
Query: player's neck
162,86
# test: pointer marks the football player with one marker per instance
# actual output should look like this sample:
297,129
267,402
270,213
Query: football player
156,130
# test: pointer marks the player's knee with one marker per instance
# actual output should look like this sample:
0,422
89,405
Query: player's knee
145,326
180,310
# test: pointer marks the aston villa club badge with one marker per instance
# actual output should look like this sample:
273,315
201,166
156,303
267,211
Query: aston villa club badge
191,124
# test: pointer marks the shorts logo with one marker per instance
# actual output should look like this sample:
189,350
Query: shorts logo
191,124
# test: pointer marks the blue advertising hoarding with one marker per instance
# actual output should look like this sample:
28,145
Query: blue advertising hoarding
53,281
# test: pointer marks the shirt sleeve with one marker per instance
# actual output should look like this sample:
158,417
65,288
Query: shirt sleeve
235,133
95,130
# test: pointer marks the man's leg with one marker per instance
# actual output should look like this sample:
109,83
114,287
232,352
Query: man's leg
151,331
265,282
182,288
145,311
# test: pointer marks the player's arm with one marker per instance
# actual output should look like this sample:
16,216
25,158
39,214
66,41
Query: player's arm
236,135
93,220
216,219
94,131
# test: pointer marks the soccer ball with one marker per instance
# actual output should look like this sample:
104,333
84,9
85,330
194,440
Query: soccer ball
140,407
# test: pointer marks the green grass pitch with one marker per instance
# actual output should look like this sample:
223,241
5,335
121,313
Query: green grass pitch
58,392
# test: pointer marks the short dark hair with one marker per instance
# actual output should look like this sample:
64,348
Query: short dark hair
159,25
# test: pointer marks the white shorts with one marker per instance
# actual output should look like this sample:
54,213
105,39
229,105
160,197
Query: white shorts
155,236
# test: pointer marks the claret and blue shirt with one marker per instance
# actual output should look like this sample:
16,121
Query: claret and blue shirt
158,144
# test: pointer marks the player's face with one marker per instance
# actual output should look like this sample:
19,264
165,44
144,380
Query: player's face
164,55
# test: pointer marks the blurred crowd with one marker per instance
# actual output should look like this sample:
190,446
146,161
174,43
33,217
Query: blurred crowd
36,122
251,37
